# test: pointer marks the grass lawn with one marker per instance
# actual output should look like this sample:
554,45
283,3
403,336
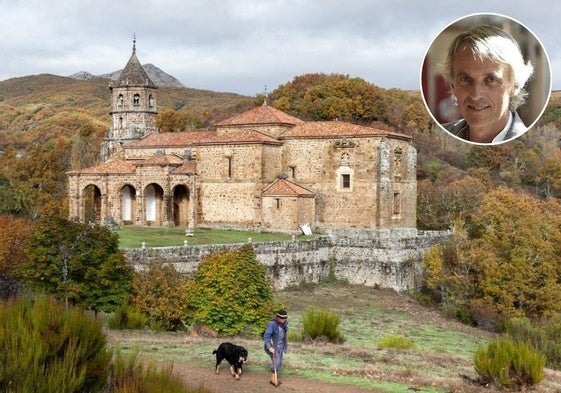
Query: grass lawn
133,237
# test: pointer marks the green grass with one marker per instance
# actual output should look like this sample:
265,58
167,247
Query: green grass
441,353
133,237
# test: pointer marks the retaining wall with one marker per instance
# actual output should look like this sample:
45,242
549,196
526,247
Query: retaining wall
384,260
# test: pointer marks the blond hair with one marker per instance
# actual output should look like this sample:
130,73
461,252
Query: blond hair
490,42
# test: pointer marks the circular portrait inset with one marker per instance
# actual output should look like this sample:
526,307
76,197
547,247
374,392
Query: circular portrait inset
486,79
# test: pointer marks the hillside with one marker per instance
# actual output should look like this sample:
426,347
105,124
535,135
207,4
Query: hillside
38,108
440,361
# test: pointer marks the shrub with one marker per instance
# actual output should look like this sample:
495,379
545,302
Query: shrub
295,335
544,336
127,317
509,364
159,292
396,342
129,375
324,323
231,291
43,346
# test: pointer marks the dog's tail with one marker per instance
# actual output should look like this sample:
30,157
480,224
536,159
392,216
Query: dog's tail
213,352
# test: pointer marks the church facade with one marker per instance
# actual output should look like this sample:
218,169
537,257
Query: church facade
261,170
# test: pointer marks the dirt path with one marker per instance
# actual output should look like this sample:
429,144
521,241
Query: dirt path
252,382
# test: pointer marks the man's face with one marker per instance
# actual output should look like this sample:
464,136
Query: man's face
483,90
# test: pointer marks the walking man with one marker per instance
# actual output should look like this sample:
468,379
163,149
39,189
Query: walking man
275,343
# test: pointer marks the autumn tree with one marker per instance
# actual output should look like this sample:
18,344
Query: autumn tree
85,147
160,292
509,257
33,178
446,199
80,264
514,250
335,96
177,121
14,232
231,291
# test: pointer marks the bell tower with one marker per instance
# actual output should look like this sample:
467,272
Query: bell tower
133,108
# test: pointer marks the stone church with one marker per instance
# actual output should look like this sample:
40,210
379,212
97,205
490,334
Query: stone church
261,170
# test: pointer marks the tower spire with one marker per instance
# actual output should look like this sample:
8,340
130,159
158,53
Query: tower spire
134,43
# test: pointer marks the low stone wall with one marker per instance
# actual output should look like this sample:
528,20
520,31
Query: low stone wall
369,259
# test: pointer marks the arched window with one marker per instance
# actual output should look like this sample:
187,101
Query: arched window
120,101
128,200
136,100
151,101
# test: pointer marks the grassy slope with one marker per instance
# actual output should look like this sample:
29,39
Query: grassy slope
442,354
443,348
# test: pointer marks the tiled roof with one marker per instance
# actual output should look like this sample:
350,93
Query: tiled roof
188,168
283,187
179,139
262,114
161,160
134,74
334,129
171,139
113,167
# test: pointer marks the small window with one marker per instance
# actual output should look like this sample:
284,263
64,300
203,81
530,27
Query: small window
151,101
396,204
278,203
292,171
229,167
346,180
120,101
136,100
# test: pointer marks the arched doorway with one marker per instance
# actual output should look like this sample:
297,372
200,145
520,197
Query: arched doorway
181,206
154,195
128,204
92,204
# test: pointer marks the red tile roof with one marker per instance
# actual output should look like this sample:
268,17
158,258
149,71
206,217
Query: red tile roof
161,160
188,168
172,139
283,187
334,129
113,167
180,139
261,115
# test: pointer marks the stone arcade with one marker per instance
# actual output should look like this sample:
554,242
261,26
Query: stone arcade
261,170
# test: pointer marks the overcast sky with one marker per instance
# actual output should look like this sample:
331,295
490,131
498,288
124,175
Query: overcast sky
241,46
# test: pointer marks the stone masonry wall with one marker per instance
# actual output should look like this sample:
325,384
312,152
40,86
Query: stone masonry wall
373,260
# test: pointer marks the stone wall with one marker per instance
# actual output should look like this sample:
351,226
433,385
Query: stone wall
375,259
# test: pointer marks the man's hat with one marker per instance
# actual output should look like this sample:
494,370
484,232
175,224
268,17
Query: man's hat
282,314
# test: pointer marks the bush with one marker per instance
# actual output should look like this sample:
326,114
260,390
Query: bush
318,323
396,342
129,375
127,317
43,346
159,292
509,364
231,293
543,336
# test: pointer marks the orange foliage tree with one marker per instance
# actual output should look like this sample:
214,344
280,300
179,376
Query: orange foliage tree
14,232
507,263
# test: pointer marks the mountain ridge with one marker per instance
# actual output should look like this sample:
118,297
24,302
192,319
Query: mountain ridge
157,75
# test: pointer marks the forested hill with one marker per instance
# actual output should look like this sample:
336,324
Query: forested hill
39,108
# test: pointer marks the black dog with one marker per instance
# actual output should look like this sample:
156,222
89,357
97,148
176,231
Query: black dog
234,354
